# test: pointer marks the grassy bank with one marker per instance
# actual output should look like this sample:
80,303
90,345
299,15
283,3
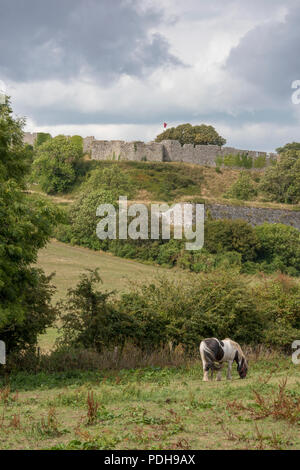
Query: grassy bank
68,262
153,408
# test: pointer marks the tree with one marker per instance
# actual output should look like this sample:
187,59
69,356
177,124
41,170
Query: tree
55,163
13,163
83,217
281,182
188,134
290,146
25,226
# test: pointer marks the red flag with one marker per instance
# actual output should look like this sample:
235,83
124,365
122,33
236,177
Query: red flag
165,125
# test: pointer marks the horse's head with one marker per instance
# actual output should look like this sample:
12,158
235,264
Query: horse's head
242,368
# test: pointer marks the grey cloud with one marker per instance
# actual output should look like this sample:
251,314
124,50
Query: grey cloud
60,114
268,57
259,10
64,39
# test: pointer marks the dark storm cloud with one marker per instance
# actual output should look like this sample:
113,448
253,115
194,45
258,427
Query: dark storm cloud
64,39
268,57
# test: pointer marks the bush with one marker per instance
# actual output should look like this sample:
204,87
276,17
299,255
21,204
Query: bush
237,160
184,312
242,189
281,182
108,178
279,302
89,320
279,247
231,235
260,162
219,304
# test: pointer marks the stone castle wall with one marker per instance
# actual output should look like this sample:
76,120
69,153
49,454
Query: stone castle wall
255,215
120,150
165,151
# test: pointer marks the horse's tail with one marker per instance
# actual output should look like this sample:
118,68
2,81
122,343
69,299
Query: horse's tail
209,356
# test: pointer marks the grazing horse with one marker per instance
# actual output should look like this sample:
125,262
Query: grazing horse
215,352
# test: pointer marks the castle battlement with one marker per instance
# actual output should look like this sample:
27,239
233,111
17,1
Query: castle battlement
165,151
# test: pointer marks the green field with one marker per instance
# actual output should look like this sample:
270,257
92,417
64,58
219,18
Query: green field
153,408
68,262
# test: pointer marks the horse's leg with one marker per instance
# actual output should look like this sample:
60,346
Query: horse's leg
219,375
211,374
205,371
229,377
204,365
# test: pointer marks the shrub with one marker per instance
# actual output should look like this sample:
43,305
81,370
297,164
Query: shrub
238,160
149,326
108,178
279,247
89,320
279,301
281,182
260,162
169,252
242,189
219,304
219,161
231,235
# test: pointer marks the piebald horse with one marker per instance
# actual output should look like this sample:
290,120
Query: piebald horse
215,352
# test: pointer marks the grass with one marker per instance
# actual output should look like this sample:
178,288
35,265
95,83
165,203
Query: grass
68,262
153,408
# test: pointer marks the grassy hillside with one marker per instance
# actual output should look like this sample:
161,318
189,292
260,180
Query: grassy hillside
173,182
68,262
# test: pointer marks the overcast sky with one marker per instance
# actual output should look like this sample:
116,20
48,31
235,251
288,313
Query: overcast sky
118,69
